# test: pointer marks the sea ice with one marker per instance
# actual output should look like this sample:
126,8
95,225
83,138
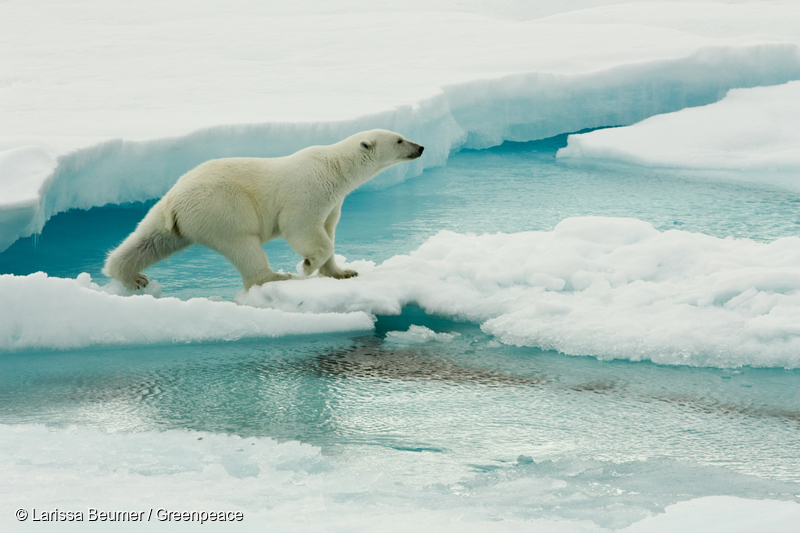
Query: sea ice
723,513
750,129
108,105
608,287
291,486
25,176
44,312
417,335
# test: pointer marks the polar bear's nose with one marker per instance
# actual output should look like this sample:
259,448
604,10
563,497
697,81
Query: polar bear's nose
416,150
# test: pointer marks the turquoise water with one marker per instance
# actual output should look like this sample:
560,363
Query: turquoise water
618,438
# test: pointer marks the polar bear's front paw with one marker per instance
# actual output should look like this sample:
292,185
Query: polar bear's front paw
347,274
139,281
335,272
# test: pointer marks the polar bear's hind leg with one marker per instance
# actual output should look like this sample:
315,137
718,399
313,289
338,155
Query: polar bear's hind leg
138,252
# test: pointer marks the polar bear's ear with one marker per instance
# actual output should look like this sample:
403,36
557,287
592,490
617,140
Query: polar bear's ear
367,145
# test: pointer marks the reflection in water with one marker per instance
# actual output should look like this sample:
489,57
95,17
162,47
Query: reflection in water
717,408
595,386
369,358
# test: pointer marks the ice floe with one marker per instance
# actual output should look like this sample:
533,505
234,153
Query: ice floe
45,312
607,287
418,335
25,176
750,129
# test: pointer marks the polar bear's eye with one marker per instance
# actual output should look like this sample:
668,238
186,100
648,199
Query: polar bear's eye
399,141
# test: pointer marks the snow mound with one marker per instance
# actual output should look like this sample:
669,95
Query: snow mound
43,312
606,287
750,129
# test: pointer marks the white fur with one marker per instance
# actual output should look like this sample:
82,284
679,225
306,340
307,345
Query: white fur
235,205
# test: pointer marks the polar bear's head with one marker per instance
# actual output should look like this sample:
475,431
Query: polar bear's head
387,148
364,155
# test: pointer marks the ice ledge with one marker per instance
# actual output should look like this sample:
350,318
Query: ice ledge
754,130
56,313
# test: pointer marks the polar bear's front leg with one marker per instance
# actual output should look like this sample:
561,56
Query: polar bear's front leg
249,258
330,268
317,257
317,250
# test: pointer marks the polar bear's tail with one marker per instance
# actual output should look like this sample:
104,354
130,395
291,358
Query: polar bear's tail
155,238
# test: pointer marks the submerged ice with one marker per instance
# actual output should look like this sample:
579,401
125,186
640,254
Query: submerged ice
293,487
438,422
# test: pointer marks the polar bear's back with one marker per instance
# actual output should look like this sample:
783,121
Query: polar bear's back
245,171
223,197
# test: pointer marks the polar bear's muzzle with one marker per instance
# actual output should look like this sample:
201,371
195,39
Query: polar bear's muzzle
416,150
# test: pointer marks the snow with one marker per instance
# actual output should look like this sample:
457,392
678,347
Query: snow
607,287
125,100
43,312
753,130
70,69
723,514
291,486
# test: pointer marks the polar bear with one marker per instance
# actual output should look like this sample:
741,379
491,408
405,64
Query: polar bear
235,205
